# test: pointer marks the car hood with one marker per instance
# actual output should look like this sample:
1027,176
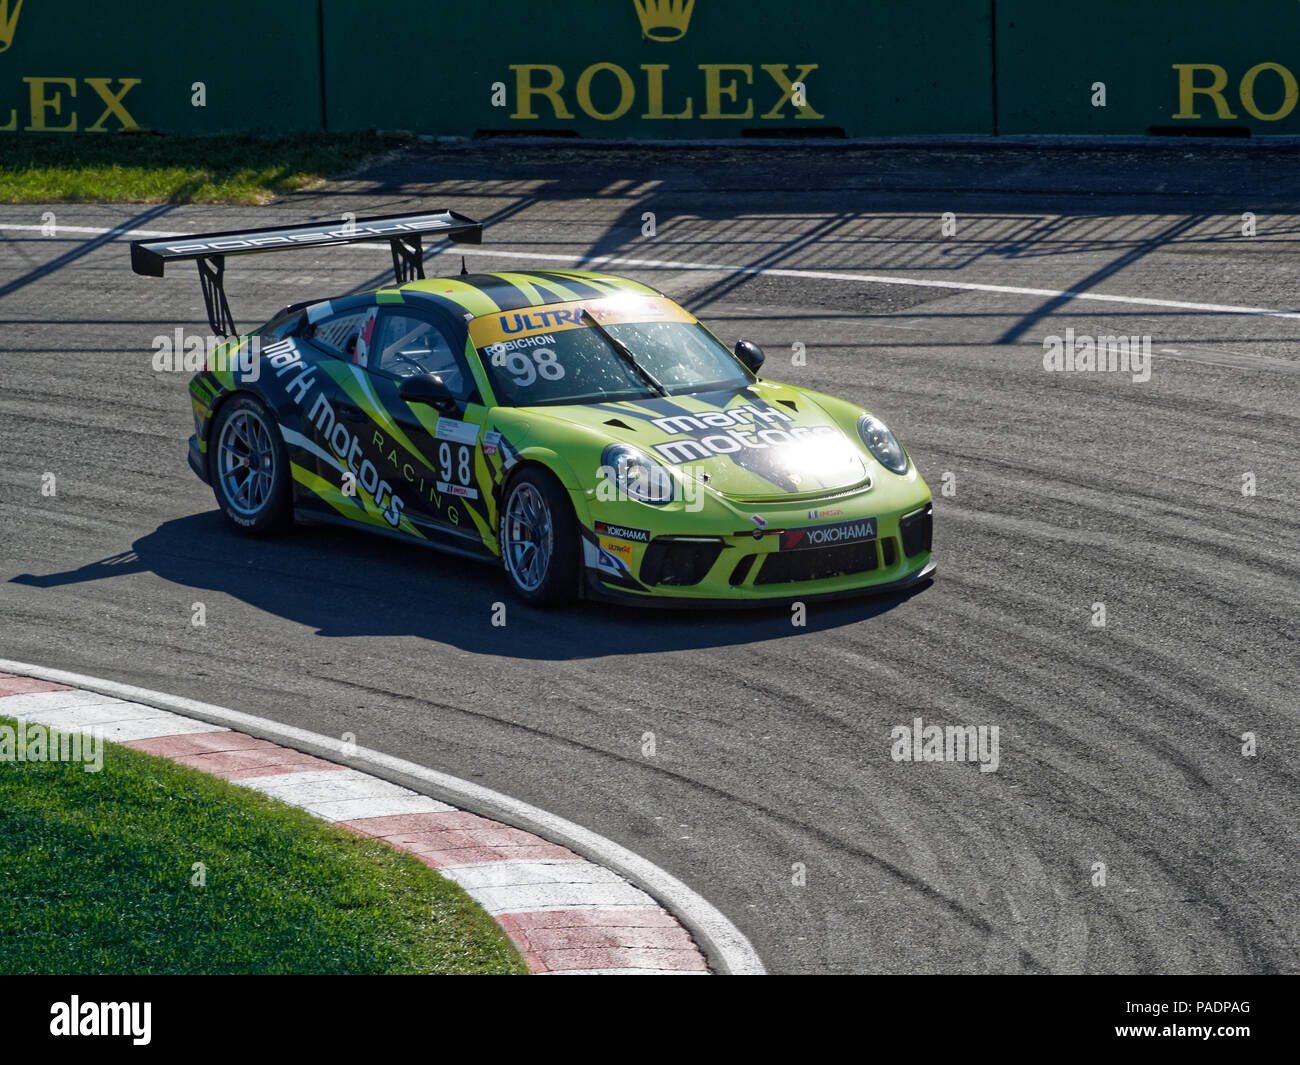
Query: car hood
764,442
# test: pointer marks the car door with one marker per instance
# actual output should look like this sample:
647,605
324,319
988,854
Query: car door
436,457
328,442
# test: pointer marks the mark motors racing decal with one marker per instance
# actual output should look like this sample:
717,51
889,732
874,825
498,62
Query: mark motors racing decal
724,432
842,532
284,358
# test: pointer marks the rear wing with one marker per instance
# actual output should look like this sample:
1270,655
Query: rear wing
404,233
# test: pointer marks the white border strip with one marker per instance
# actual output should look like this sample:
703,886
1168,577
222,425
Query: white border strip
764,271
724,945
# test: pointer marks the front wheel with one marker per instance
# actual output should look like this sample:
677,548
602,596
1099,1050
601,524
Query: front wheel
249,467
539,538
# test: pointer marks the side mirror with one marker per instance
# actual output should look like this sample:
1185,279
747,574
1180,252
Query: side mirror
750,354
430,389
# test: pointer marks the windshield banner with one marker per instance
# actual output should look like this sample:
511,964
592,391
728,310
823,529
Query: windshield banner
500,327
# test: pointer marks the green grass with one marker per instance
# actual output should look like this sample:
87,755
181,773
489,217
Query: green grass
96,868
149,168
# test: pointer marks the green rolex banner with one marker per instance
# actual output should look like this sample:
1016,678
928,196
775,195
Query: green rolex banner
652,69
75,66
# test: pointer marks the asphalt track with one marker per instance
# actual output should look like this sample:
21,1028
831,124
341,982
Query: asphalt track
1118,745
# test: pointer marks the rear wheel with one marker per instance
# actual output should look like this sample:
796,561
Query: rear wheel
539,538
249,467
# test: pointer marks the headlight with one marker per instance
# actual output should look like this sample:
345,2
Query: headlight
882,443
635,475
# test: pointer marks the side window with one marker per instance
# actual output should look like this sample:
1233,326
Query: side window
345,335
405,345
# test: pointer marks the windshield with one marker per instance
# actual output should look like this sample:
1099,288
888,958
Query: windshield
550,355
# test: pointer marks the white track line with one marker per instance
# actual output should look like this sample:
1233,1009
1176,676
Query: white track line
880,279
724,944
763,271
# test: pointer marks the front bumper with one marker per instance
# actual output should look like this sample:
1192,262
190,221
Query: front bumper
713,559
597,589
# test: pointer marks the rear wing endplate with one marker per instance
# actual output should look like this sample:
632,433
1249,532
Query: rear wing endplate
403,232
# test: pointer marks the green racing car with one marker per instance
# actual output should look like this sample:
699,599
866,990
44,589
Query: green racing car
581,429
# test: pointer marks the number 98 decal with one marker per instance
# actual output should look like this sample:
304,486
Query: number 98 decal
454,461
544,365
457,460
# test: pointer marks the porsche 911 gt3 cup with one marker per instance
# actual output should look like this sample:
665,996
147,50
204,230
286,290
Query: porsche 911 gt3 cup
580,429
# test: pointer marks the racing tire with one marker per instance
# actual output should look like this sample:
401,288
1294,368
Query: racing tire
249,467
540,543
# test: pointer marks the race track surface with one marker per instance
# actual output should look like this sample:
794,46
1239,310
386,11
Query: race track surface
1119,745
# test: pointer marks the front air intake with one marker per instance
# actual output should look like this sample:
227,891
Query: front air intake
917,530
678,562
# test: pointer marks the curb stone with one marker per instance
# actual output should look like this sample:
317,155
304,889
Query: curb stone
567,914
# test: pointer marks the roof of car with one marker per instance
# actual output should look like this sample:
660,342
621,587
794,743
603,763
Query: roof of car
480,294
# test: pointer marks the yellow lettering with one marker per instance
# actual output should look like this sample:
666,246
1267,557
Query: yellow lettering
654,80
627,92
40,102
1291,92
1187,89
113,101
777,71
525,90
715,90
